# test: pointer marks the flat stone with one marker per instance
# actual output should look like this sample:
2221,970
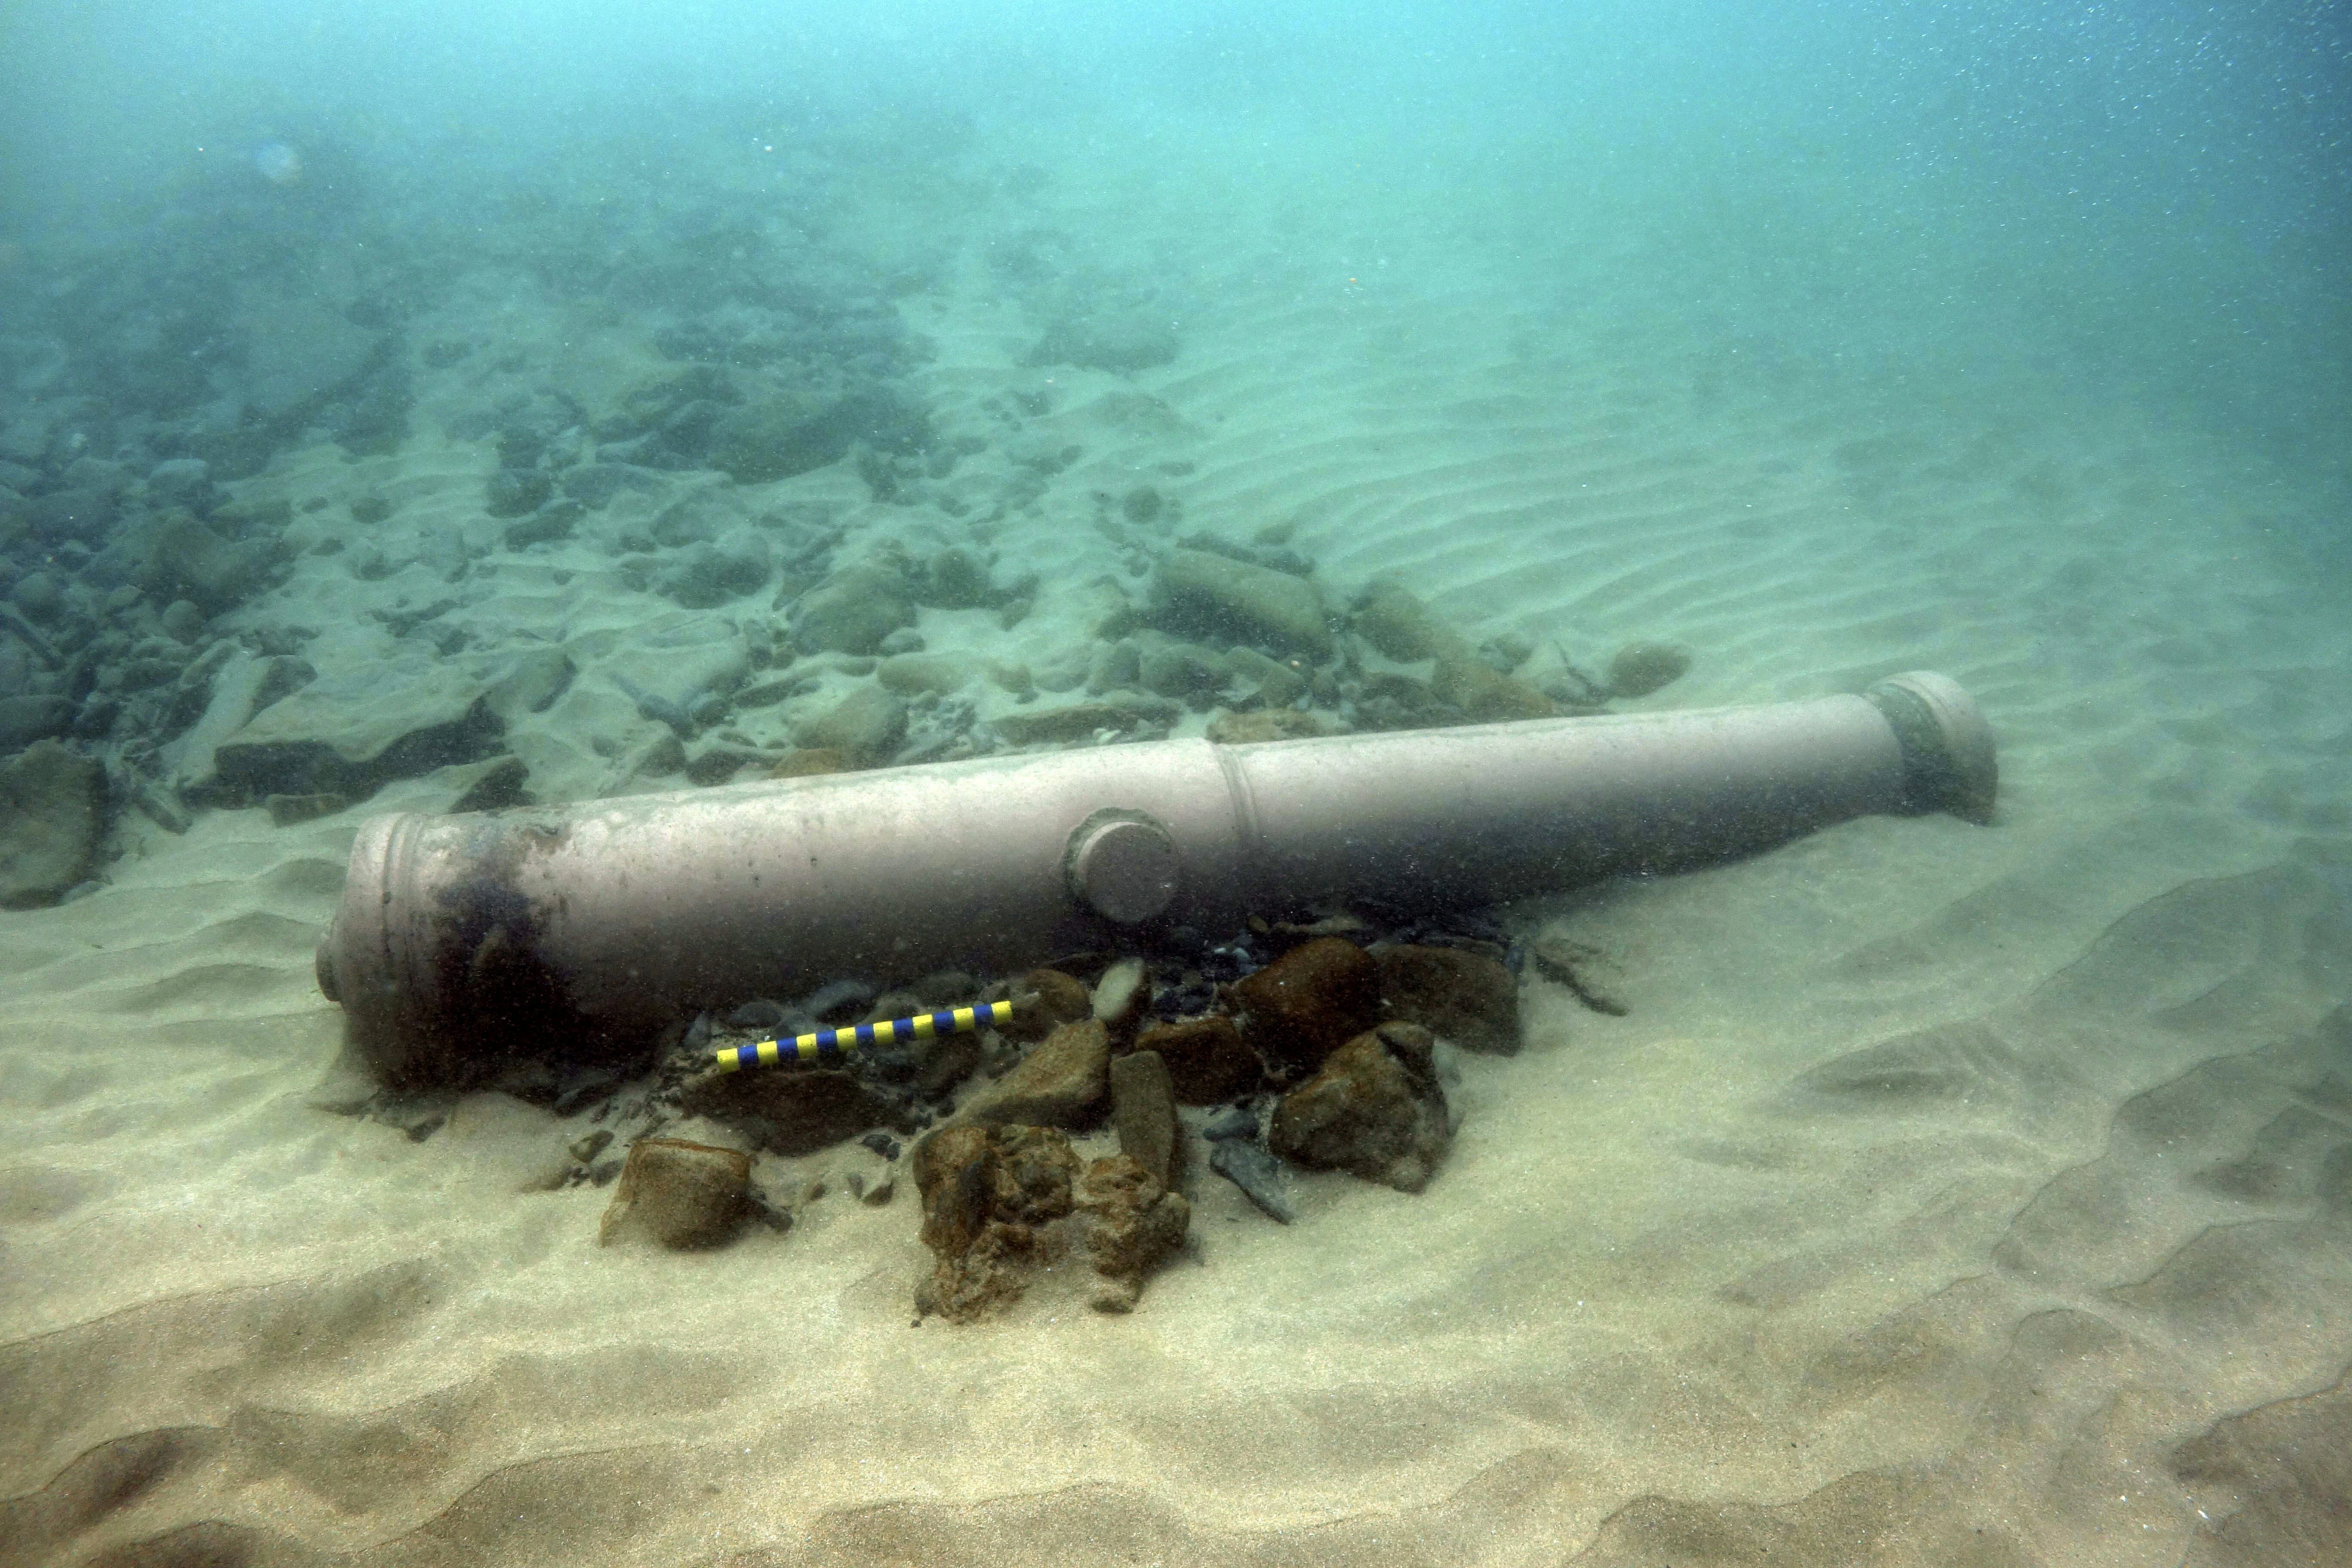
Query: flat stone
1236,601
1246,1165
1207,1060
793,1110
1375,1109
1263,724
1143,1110
1064,1082
350,730
1468,997
1301,1007
867,727
1084,720
52,820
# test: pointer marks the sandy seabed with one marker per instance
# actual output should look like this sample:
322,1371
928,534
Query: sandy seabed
1947,1195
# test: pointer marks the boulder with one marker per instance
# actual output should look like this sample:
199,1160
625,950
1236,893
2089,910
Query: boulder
1132,1224
1234,601
852,611
1398,627
1468,997
867,727
1064,1082
707,576
1059,999
84,515
1304,1006
679,1195
351,729
1641,668
1207,1060
1374,1110
186,559
794,1110
52,821
1002,1205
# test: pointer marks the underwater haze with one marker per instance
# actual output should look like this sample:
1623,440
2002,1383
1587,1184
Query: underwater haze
1752,1138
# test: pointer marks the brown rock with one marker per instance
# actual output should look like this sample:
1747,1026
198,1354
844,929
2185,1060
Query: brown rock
865,727
679,1194
1374,1111
809,762
987,1194
1263,724
1132,1224
1208,1062
1468,997
1302,1006
1143,1108
1063,1082
791,1111
1059,999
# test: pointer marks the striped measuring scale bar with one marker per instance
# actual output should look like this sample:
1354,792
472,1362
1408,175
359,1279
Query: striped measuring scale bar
831,1043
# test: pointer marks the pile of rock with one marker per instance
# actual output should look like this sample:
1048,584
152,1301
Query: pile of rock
1320,1046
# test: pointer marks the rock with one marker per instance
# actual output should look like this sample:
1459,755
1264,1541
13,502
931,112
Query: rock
182,620
1132,1224
1059,999
85,515
290,810
595,485
793,1110
1122,998
679,1195
1179,670
181,481
852,611
1468,997
1064,1082
988,1194
1278,684
956,579
707,575
1002,1206
1398,627
1263,724
865,727
1304,1006
1084,720
1143,1110
791,433
554,520
1124,341
39,595
1245,1163
497,785
810,762
1641,668
24,720
1374,1110
186,559
1207,1060
52,819
914,673
1202,593
512,492
1112,666
241,685
348,732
